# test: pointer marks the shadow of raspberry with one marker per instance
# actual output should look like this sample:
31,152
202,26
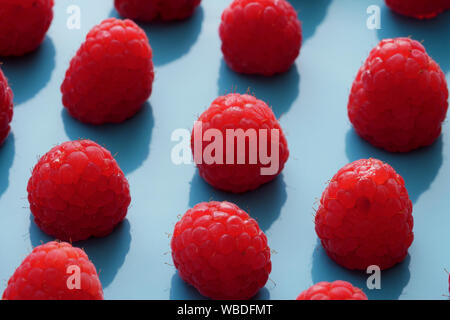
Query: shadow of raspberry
171,40
180,290
128,142
107,253
433,33
28,74
311,14
393,280
418,168
279,91
263,204
7,151
263,294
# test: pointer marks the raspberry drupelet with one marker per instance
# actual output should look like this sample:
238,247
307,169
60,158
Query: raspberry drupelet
243,168
6,107
337,290
420,9
221,251
260,36
23,25
150,10
48,273
398,100
365,216
77,190
111,75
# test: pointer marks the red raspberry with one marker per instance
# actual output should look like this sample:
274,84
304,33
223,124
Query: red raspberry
421,9
47,274
111,76
77,190
236,111
260,36
399,98
337,290
364,217
150,10
23,25
6,107
221,251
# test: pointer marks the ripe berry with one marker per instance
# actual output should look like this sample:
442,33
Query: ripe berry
241,169
337,290
421,9
6,108
221,251
49,273
150,10
23,25
111,76
77,190
364,217
399,98
260,36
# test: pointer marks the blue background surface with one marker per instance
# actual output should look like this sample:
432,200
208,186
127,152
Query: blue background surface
134,262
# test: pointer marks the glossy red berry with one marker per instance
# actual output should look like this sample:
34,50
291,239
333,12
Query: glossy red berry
55,271
6,107
111,75
23,25
247,132
221,251
399,98
337,290
421,9
365,216
77,191
151,10
260,36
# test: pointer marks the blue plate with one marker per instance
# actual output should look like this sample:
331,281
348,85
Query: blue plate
134,262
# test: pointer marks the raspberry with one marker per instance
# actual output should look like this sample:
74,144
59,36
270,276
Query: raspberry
364,217
150,10
236,111
399,98
421,9
221,251
48,273
23,25
6,107
77,190
337,290
260,36
111,76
